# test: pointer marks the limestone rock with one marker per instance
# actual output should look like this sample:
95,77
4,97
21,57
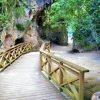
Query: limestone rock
7,39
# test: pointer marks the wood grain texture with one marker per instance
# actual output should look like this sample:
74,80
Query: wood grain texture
66,75
23,80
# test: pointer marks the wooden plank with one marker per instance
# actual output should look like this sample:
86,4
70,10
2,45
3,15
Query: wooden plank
68,92
70,82
70,67
30,86
81,86
41,62
49,65
54,71
13,53
75,92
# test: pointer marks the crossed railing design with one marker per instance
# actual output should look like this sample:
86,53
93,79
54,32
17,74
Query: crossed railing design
68,77
10,55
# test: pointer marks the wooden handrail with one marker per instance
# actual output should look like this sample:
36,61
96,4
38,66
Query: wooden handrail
11,54
68,76
71,65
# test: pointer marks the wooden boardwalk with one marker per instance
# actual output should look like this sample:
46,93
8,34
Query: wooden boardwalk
23,81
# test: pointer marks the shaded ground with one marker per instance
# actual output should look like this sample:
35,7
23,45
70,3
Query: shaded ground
24,81
89,60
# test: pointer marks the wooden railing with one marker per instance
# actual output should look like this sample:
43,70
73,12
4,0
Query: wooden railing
10,55
68,77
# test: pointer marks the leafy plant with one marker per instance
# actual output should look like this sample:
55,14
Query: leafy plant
8,10
81,15
19,11
94,12
20,27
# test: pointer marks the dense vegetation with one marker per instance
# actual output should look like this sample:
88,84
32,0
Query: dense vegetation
9,11
82,16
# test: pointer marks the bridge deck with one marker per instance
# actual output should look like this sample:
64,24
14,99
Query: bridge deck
24,81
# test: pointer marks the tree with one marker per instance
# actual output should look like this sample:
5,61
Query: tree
94,12
8,10
54,21
76,14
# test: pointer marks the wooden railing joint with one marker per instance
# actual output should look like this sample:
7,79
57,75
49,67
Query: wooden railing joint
63,73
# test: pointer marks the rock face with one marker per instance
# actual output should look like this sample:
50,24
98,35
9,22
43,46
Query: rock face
7,39
31,35
55,35
22,30
58,37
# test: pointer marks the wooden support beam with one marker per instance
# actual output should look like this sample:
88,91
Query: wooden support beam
64,66
81,86
13,53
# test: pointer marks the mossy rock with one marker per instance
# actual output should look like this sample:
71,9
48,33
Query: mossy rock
58,36
20,27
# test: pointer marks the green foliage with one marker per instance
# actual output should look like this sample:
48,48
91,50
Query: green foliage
19,11
20,27
4,18
23,26
8,10
94,12
66,11
82,15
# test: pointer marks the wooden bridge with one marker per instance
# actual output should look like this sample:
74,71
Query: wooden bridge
23,79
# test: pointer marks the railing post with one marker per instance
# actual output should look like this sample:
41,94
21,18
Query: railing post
1,65
49,67
12,54
60,76
48,46
1,62
40,61
59,72
81,86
